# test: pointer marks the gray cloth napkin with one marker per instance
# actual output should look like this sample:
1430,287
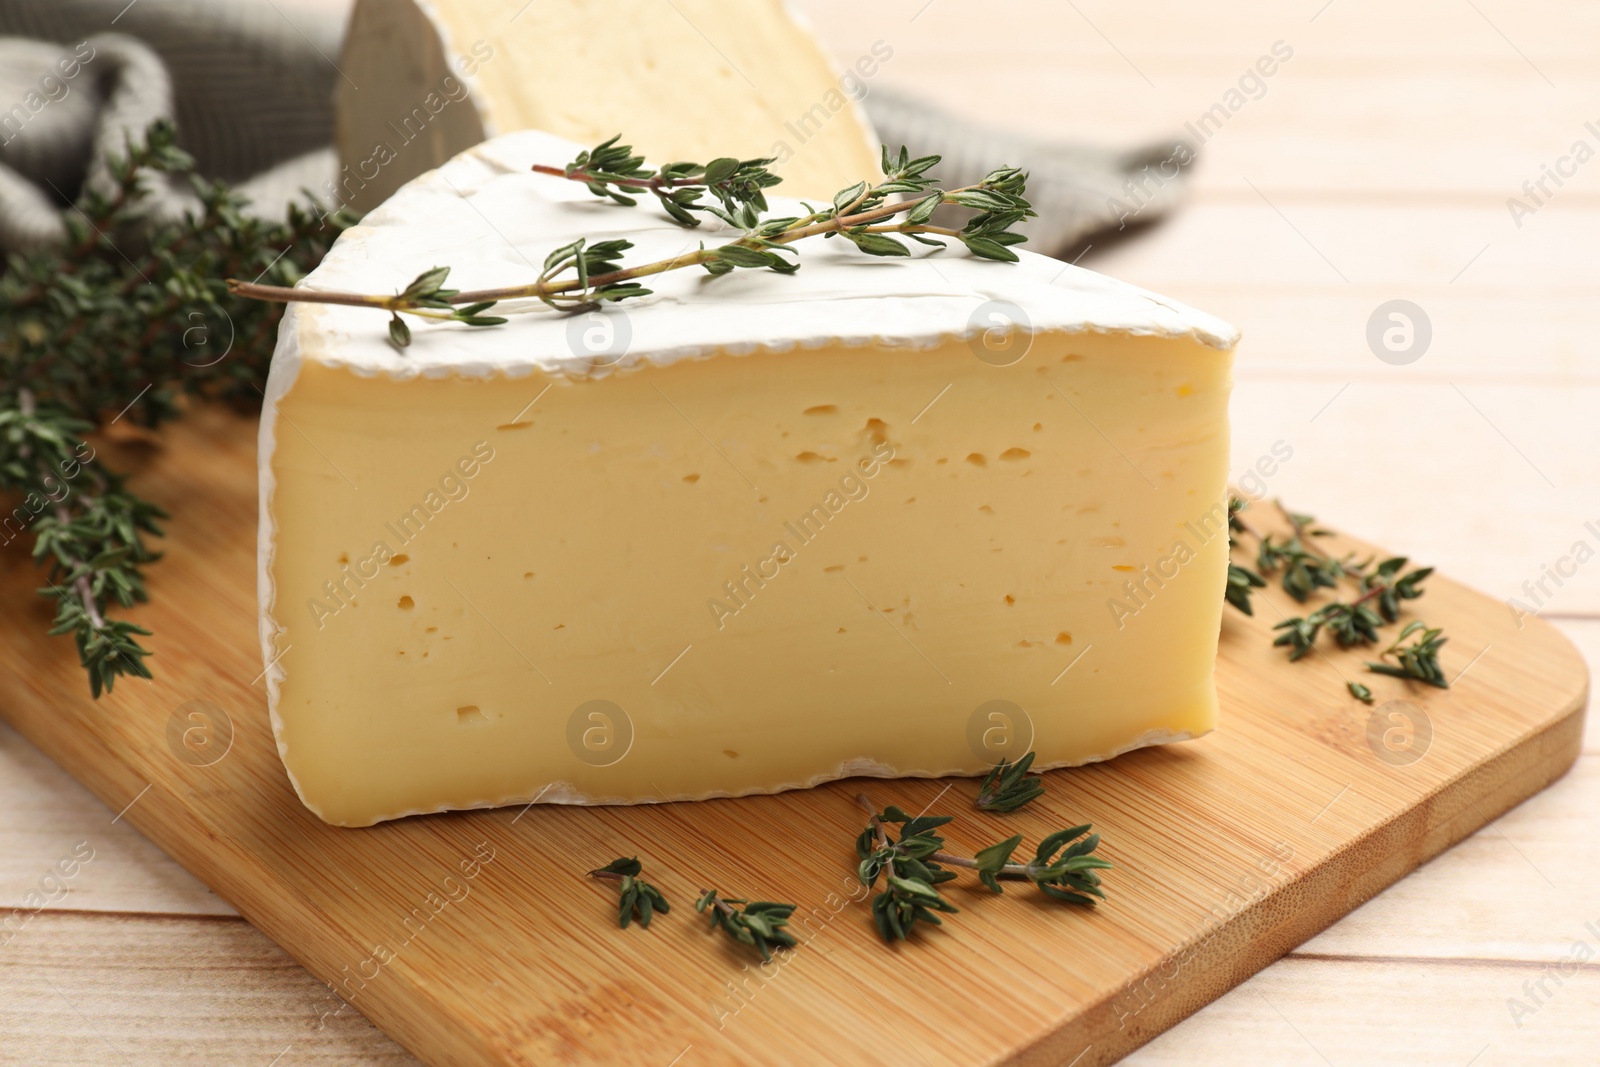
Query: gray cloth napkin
1078,190
251,93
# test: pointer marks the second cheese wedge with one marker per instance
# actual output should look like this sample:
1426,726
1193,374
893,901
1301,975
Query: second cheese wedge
695,79
750,534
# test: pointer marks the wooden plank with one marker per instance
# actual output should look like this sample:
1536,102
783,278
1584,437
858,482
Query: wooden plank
1430,29
1530,339
1316,1012
1585,634
1515,478
222,994
1370,104
172,991
524,966
1383,250
50,820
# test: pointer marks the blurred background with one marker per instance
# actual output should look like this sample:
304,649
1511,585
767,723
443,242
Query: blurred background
1402,217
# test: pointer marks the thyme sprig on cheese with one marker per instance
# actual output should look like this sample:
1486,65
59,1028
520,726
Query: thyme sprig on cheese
915,863
1303,568
585,274
609,168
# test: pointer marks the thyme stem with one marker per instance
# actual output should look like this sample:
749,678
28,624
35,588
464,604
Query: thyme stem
585,274
287,294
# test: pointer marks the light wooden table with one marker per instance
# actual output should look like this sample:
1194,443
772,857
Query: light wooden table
1376,165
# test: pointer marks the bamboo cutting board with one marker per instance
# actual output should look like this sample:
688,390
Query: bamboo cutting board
472,938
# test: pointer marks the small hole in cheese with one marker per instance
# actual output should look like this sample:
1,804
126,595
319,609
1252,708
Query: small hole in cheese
1123,567
691,478
406,603
469,715
822,409
833,569
395,561
1015,454
813,457
1010,599
1063,638
730,753
977,460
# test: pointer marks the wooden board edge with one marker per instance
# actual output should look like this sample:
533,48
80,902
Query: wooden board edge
1271,927
167,821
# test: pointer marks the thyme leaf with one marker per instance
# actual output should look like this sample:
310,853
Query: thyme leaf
1006,788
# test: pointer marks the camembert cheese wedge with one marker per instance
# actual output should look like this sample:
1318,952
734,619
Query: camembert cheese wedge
749,534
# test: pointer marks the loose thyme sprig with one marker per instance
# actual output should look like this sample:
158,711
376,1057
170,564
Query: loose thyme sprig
637,898
1418,661
116,324
1304,568
1007,787
910,873
582,276
1063,867
94,546
759,924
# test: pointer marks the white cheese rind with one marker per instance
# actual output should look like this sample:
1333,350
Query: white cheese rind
493,222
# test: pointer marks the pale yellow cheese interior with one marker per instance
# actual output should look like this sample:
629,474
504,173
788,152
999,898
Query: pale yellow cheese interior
957,534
